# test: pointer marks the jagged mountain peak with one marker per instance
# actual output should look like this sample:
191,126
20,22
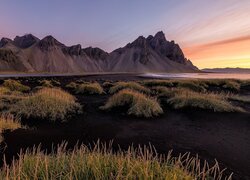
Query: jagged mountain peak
141,41
49,42
96,53
50,39
160,36
74,50
151,54
5,41
25,41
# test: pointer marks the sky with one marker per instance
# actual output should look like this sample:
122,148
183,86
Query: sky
212,33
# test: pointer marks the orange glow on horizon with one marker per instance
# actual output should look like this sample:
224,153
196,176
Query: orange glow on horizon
227,53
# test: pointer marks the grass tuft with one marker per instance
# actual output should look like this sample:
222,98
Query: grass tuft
186,99
71,85
46,83
196,86
128,85
14,85
100,162
4,91
89,88
139,104
48,103
8,122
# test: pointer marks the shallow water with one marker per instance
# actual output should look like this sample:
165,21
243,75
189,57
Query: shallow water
197,75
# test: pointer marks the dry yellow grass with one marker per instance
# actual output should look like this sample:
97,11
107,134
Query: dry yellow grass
71,85
49,103
128,85
139,104
4,91
100,162
8,121
14,85
46,83
186,99
89,88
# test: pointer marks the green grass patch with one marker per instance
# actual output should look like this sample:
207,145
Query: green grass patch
128,85
47,103
139,104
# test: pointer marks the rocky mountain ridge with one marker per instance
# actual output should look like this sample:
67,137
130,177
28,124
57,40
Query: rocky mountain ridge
152,54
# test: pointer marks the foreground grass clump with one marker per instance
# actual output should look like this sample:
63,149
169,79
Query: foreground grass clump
101,162
89,88
50,103
186,99
14,85
128,85
139,104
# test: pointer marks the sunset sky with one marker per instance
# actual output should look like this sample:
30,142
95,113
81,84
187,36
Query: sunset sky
212,33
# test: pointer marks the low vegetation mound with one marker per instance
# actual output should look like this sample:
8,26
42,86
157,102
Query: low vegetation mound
139,104
89,88
192,85
224,84
128,85
14,85
50,103
186,99
242,99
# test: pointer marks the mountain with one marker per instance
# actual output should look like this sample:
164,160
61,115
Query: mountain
228,70
152,54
